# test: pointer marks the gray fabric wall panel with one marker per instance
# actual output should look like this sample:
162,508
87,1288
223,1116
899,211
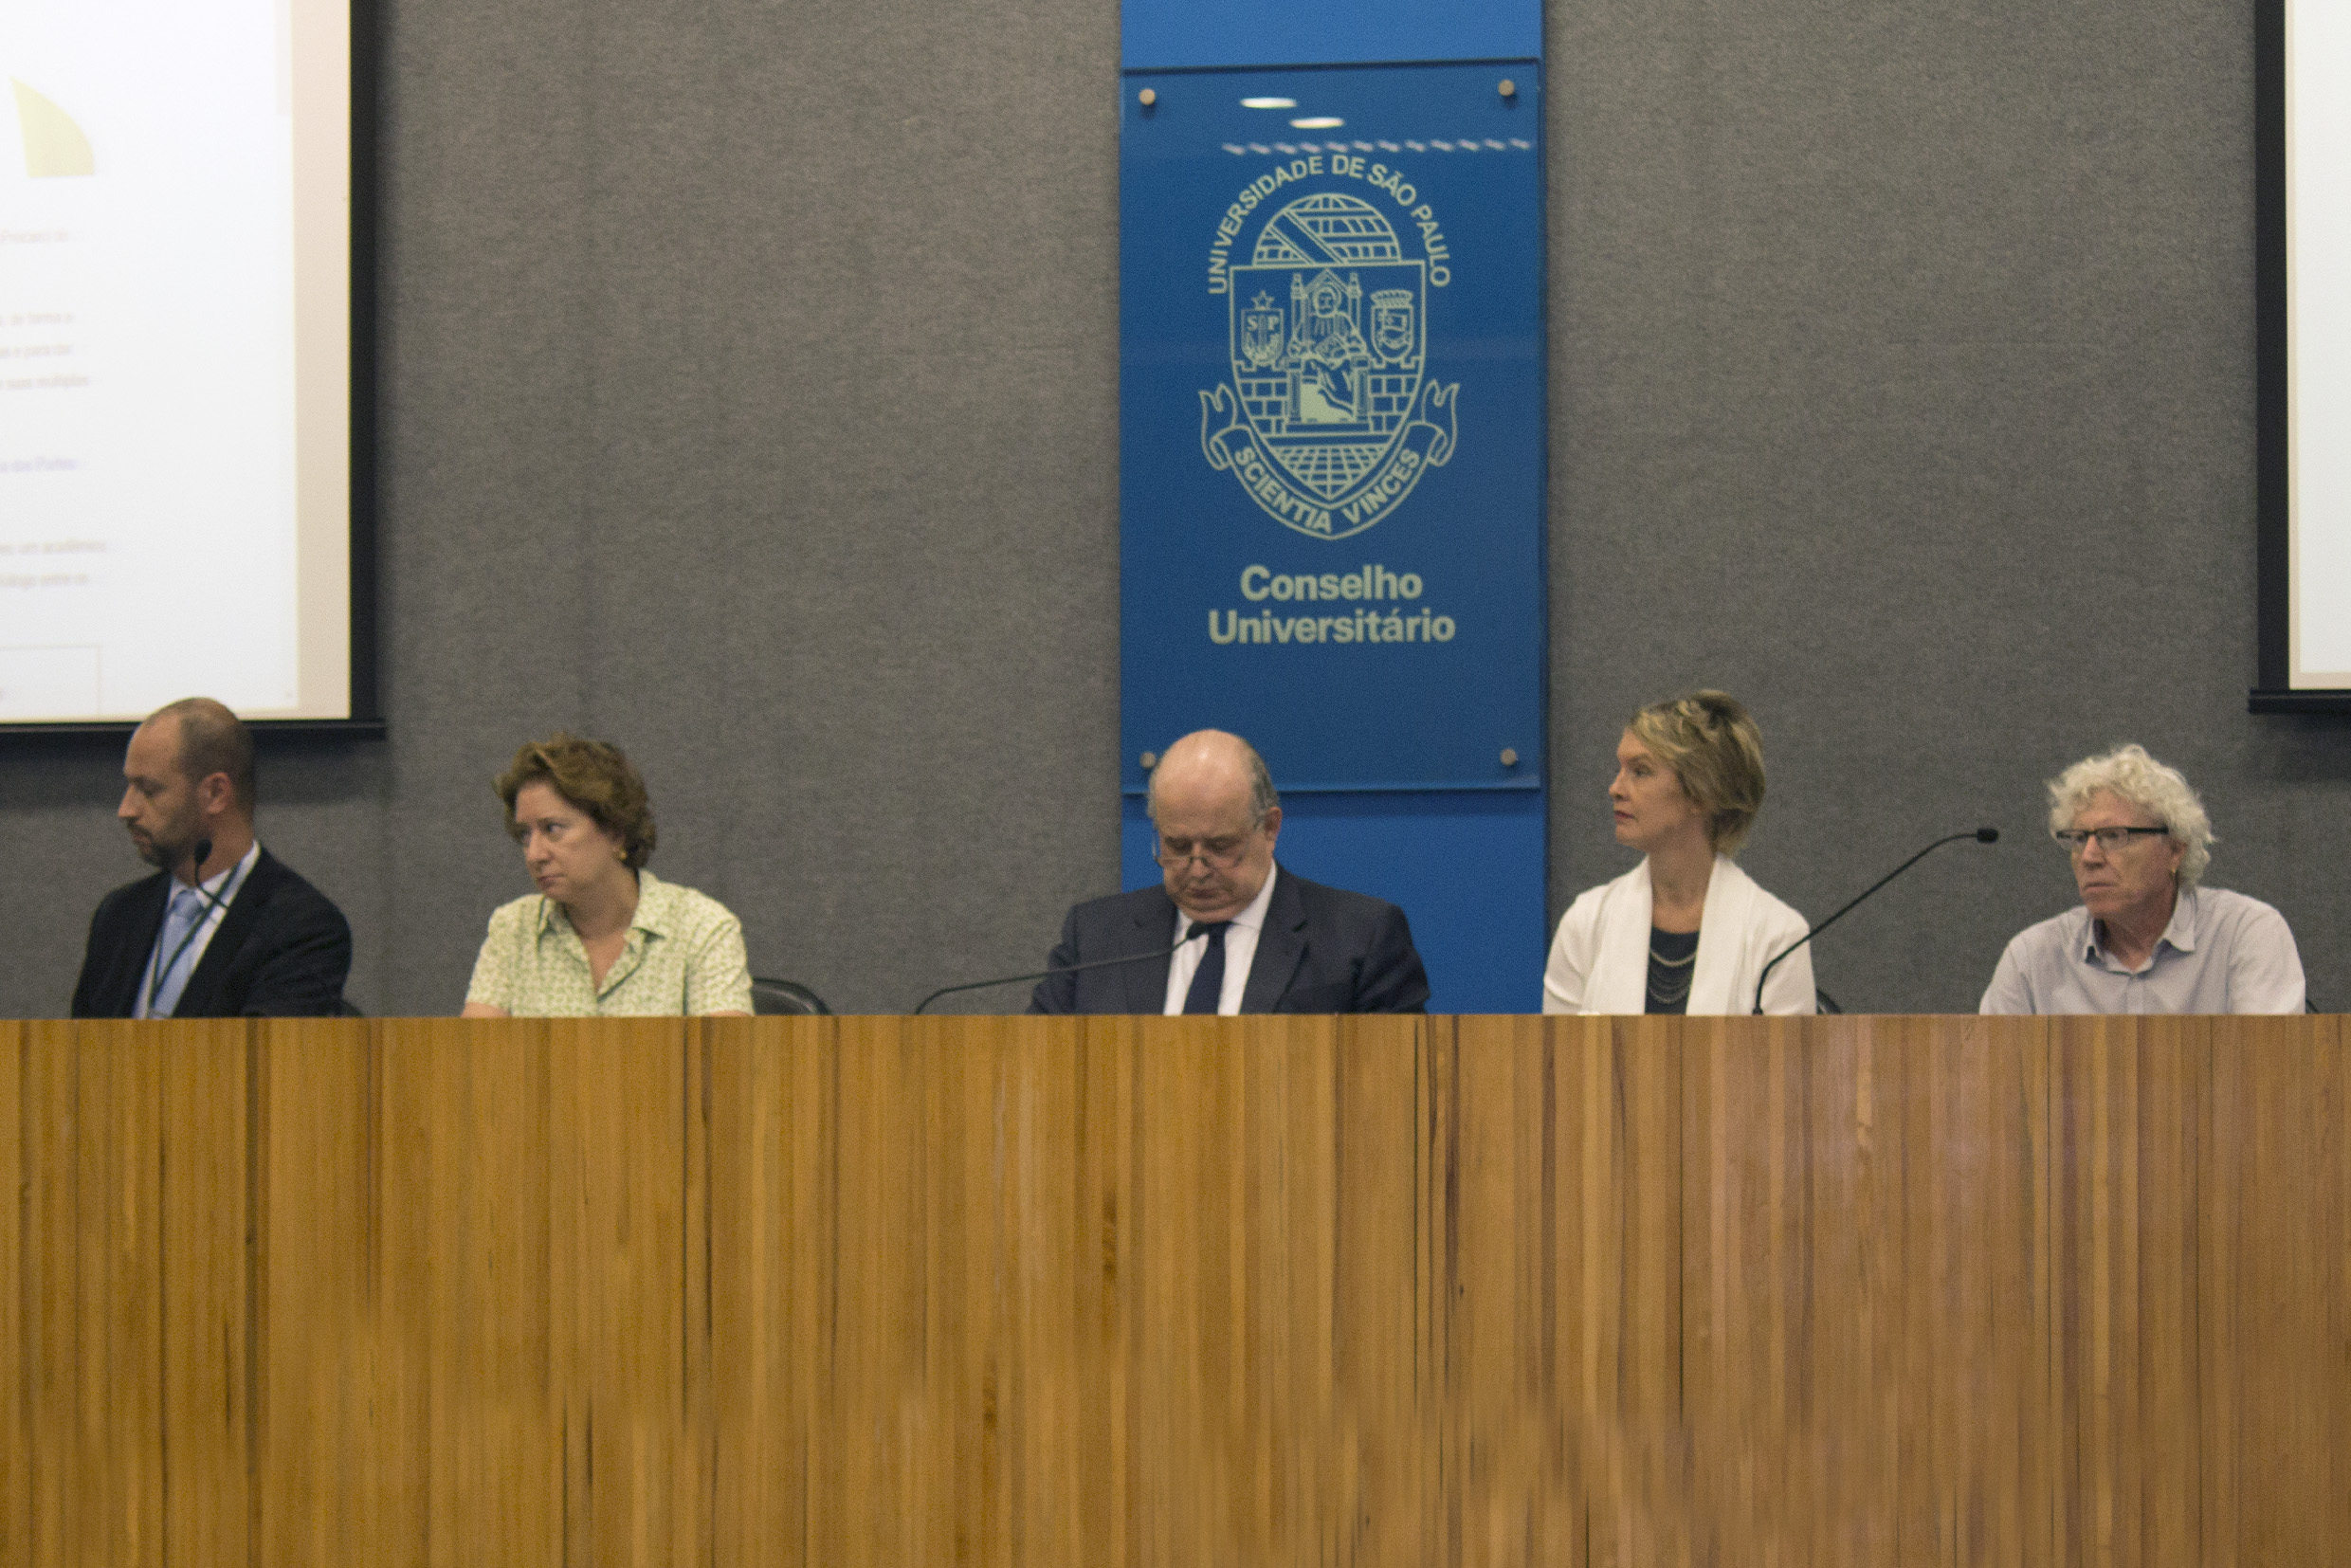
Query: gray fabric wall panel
1904,377
749,397
837,436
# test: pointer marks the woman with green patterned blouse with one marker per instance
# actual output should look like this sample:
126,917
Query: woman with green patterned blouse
602,937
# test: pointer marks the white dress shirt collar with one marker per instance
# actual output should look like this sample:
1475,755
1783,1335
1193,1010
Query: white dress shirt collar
1240,951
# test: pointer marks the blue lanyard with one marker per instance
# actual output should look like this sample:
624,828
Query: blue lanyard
203,917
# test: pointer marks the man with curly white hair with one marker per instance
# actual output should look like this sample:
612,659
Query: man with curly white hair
2147,937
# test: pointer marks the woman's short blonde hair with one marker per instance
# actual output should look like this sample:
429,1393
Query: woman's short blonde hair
2127,773
595,778
1716,753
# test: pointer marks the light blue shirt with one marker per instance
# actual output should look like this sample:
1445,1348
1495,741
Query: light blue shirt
166,976
2222,952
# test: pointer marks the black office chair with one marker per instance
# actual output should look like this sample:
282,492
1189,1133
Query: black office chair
786,1000
1823,1002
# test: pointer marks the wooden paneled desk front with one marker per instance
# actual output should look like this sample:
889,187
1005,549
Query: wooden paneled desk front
885,1291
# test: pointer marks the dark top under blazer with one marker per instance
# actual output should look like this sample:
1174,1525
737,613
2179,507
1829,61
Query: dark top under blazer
1322,950
282,951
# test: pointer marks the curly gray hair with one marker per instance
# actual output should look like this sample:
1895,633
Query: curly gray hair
2127,773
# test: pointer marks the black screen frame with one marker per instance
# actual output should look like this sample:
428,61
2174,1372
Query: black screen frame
366,721
2273,351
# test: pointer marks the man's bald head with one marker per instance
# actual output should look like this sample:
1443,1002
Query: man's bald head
188,782
1214,761
1217,817
209,738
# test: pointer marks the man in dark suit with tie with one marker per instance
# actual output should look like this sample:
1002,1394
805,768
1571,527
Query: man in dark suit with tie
223,929
1255,938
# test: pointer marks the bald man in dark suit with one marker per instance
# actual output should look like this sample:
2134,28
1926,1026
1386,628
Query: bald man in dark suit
223,929
1254,936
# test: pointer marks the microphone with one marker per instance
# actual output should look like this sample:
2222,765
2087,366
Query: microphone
196,874
1981,835
1043,973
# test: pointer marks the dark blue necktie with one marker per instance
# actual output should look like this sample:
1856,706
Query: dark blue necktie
1208,981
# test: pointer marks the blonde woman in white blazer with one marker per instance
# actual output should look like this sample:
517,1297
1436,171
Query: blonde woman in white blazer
1687,930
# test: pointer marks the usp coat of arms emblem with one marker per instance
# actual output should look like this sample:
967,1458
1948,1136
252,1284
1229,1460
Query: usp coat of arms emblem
1328,421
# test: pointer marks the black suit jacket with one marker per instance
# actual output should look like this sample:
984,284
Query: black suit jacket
282,951
1322,950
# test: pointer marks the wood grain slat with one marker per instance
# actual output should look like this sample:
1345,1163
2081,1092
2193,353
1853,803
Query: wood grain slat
1503,1436
1146,1291
2291,1359
618,1136
203,1154
329,1476
49,1290
114,1495
16,1277
771,1244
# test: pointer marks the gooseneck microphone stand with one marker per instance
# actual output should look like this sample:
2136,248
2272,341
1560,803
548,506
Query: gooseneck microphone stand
1042,973
1981,835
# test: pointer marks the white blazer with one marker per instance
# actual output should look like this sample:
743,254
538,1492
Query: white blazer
1600,961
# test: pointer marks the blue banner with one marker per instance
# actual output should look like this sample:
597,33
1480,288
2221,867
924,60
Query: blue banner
1177,35
1332,421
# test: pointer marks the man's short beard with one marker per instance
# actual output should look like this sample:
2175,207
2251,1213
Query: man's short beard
163,854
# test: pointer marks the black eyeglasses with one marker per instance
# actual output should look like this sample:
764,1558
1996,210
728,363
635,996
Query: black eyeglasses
2109,839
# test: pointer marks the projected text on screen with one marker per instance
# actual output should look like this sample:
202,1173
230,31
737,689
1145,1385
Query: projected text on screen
2318,59
173,358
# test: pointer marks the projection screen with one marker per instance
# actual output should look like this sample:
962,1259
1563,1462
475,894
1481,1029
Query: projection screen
176,366
2304,246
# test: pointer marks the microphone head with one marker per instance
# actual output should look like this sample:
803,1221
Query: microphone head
1987,835
203,852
